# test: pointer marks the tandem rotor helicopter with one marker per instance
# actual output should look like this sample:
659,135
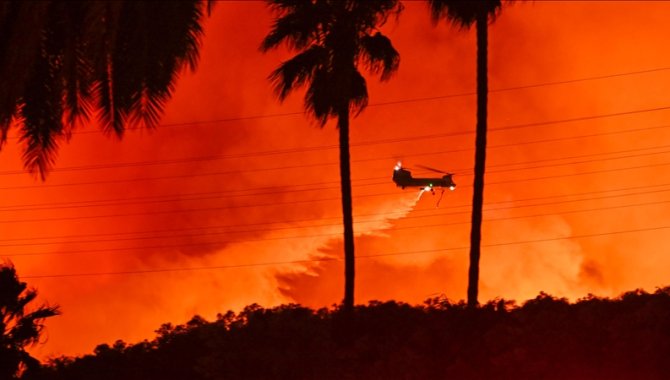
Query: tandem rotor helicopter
403,178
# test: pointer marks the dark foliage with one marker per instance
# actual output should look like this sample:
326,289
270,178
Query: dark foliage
19,327
333,38
62,61
545,338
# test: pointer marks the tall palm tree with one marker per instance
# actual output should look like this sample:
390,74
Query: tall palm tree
333,39
18,327
464,13
61,61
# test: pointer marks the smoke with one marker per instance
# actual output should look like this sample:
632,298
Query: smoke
257,201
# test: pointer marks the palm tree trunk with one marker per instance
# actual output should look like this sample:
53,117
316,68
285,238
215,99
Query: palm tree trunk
347,215
480,159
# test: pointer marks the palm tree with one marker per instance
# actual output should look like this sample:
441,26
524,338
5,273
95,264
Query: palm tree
333,38
18,327
464,13
61,61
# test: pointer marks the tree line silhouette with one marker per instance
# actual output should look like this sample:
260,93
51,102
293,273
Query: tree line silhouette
627,337
545,338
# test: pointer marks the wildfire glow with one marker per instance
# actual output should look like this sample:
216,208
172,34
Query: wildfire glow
235,199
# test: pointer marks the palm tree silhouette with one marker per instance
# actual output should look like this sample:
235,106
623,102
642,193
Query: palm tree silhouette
61,61
464,13
18,328
333,38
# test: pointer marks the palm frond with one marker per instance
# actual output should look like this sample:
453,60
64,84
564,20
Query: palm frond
28,327
78,78
298,70
332,37
320,99
41,114
297,23
21,26
28,295
147,106
73,25
121,58
178,25
380,55
358,93
130,64
10,285
110,116
373,14
155,41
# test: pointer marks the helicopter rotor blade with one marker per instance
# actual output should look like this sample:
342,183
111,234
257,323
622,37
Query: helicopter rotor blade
431,169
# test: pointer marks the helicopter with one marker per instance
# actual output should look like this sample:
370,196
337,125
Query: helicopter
403,178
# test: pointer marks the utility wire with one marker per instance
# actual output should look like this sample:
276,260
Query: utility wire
283,189
370,256
318,200
403,101
434,211
294,150
238,171
317,148
227,195
219,243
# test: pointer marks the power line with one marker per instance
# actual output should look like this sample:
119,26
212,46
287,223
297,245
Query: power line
312,201
218,243
582,173
274,189
152,199
402,101
237,171
159,212
307,261
513,168
434,213
313,148
521,87
227,195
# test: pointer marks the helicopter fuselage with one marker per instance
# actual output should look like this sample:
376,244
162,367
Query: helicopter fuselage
403,178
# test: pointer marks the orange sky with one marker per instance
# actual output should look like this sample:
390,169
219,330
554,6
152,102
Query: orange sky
239,182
